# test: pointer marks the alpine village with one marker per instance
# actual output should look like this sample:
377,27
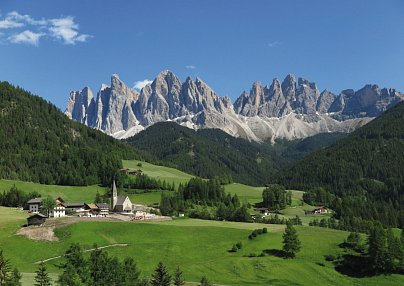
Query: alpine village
168,143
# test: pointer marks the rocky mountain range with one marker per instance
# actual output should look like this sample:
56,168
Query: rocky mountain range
290,109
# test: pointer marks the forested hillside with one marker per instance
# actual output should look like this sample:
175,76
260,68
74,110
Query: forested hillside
191,152
212,152
39,143
366,169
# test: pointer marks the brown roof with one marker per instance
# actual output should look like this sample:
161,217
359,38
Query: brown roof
92,206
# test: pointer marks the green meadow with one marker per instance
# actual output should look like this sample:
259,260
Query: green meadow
170,175
68,193
198,247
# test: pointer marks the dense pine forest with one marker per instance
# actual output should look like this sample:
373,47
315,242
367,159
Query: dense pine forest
211,152
39,143
365,171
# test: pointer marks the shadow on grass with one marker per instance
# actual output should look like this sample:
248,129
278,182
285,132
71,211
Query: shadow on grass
277,253
355,266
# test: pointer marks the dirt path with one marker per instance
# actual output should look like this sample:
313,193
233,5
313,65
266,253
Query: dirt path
88,250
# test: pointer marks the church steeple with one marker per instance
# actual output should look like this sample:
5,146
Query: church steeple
114,195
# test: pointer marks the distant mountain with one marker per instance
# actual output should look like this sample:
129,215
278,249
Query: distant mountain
212,152
290,109
373,154
39,143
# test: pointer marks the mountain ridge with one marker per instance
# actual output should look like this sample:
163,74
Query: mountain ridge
291,109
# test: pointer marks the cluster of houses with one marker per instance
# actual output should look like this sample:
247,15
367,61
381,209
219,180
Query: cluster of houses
120,204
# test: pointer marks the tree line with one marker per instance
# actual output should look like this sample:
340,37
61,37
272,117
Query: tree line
204,199
40,144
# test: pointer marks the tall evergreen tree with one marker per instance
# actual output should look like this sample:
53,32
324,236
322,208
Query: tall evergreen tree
14,278
130,272
378,251
178,280
161,277
205,282
4,268
291,242
42,277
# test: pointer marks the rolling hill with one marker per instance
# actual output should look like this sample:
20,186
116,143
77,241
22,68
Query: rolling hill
39,143
212,152
365,169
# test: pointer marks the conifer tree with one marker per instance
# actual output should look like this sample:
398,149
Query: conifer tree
178,280
42,277
205,282
161,277
14,279
4,268
291,242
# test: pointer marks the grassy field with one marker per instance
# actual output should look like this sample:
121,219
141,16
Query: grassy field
245,193
170,175
68,193
198,247
148,199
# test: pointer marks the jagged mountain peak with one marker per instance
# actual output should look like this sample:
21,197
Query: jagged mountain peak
292,108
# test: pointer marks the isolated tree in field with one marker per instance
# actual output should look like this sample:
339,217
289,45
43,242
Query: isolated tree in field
161,277
178,280
42,276
4,268
48,205
205,282
291,242
378,251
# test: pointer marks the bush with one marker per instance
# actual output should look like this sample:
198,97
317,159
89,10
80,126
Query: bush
264,230
239,245
329,257
252,254
234,248
250,236
259,231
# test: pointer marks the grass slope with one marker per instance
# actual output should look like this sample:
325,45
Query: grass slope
198,247
68,193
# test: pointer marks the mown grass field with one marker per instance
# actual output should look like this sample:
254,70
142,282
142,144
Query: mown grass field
170,175
198,247
68,193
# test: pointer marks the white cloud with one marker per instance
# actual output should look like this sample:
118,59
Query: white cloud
26,18
274,44
26,37
190,67
67,30
64,29
9,24
142,83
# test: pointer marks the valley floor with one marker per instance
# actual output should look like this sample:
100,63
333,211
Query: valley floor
198,247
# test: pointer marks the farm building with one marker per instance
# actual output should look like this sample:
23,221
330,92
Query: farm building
320,210
103,209
36,219
34,205
92,209
263,211
58,211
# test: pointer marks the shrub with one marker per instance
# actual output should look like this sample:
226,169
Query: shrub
239,245
264,230
234,248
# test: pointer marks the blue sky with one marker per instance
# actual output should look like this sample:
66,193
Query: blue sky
52,47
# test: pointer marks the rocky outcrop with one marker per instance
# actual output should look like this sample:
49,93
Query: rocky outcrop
289,109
